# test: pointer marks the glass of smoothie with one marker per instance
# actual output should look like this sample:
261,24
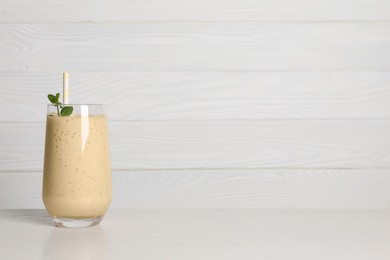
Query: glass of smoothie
77,173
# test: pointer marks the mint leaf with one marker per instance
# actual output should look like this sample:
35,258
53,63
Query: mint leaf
53,99
66,111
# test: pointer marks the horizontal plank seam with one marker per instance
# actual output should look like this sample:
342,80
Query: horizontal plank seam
218,209
203,21
122,170
219,120
196,71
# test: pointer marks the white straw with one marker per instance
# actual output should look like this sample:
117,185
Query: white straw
66,88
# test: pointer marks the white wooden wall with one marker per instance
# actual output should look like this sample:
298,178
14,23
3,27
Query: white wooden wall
212,103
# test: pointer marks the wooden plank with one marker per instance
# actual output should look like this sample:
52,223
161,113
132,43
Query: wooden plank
312,189
210,10
145,46
205,95
220,144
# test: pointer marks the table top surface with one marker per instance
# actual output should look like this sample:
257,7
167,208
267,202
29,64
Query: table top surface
201,234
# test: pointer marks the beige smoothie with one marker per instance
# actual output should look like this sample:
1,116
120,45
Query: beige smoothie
77,171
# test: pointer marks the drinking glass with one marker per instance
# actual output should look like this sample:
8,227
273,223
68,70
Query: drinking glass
77,172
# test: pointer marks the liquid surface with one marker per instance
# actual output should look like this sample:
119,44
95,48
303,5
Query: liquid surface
77,170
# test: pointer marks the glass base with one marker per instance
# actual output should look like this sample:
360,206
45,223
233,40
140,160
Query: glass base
77,223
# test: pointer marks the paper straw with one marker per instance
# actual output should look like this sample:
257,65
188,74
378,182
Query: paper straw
66,88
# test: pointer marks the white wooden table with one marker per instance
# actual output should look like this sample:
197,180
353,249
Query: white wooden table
201,234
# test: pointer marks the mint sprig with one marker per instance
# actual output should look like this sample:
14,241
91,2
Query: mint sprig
61,110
